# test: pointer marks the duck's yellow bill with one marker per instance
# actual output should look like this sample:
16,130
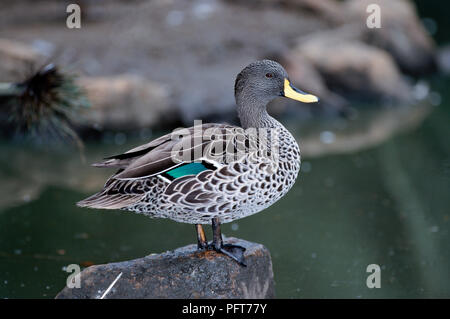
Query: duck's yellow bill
298,95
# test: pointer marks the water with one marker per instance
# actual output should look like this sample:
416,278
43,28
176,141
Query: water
381,199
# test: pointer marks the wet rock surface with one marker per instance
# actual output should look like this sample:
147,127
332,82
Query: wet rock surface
182,273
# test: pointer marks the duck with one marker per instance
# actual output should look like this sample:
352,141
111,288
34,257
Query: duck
212,173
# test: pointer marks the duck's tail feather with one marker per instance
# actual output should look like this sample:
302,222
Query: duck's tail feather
119,163
102,200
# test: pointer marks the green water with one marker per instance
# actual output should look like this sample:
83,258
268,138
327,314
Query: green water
387,204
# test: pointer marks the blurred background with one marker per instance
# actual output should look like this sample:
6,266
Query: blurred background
375,176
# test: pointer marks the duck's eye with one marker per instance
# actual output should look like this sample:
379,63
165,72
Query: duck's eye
269,75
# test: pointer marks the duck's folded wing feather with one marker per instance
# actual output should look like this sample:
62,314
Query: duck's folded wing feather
117,194
158,156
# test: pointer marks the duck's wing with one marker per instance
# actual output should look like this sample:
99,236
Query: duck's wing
186,152
125,159
194,144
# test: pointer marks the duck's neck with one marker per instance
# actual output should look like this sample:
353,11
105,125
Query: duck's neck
252,112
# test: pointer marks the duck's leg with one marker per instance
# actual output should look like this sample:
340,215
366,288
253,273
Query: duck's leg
233,251
202,243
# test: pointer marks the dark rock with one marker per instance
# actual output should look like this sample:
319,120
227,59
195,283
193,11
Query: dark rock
182,273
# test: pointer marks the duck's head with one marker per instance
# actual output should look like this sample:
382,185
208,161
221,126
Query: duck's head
262,81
